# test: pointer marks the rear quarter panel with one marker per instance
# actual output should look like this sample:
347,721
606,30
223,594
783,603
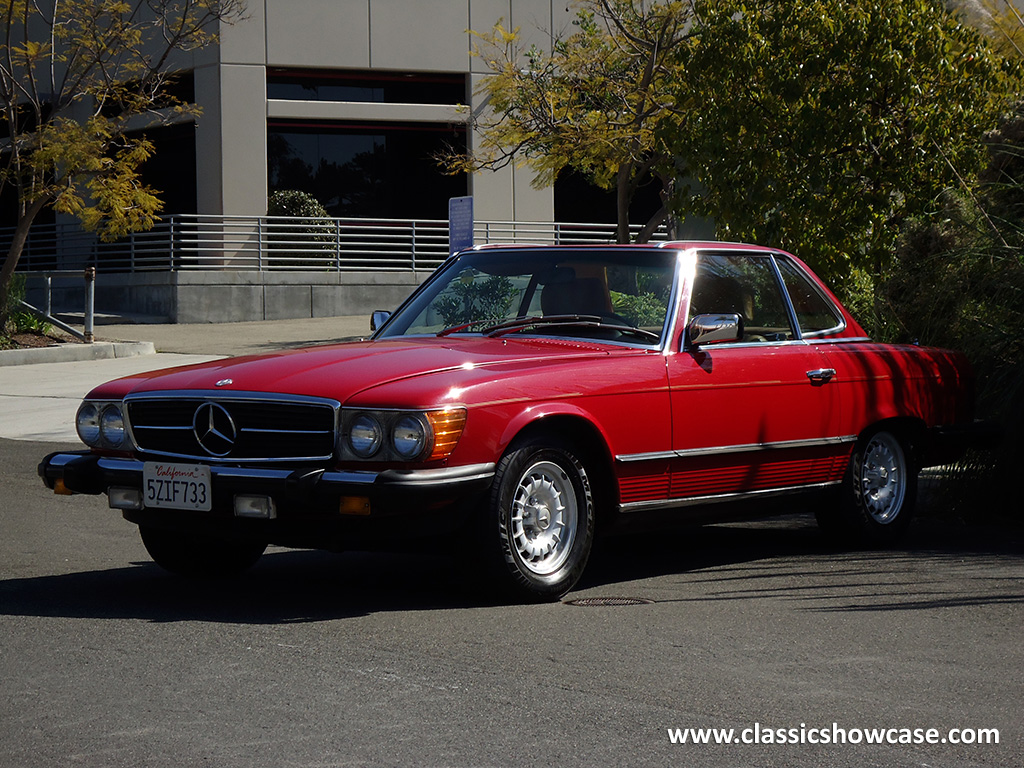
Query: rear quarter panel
877,382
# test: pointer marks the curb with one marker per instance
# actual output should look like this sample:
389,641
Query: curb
71,353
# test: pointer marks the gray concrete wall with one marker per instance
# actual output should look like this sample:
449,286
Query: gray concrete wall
214,297
235,296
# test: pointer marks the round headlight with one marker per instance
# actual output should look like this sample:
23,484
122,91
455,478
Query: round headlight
87,422
409,437
365,435
112,426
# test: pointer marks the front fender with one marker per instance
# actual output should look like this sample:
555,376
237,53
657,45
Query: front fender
536,416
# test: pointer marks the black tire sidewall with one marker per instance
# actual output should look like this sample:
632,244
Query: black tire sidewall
510,569
855,509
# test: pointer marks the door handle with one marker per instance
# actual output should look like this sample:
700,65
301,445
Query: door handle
821,375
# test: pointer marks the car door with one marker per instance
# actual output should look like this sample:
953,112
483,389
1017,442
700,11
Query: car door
758,414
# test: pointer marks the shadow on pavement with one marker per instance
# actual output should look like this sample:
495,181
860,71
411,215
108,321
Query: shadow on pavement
778,560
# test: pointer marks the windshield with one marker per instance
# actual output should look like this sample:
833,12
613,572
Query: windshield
618,295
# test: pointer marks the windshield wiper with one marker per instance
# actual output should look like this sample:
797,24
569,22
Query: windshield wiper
569,321
521,323
577,321
456,328
642,332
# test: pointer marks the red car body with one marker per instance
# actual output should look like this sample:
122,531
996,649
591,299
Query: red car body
558,424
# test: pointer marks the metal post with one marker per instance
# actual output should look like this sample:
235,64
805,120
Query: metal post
48,279
90,303
171,254
259,244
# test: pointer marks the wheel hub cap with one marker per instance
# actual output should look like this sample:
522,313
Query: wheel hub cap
882,478
543,517
536,515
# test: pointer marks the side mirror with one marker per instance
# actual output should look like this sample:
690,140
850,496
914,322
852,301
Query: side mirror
378,318
712,329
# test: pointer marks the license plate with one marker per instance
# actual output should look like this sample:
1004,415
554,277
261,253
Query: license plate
176,486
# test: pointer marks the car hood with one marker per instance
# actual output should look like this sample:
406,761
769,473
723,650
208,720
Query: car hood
341,371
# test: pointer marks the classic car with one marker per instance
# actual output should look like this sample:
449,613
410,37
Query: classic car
524,400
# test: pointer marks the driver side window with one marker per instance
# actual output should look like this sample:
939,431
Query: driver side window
745,285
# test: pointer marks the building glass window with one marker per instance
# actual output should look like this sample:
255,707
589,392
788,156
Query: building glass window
364,170
171,168
380,87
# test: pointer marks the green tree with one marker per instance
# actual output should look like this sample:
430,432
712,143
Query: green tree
958,281
821,125
594,103
75,77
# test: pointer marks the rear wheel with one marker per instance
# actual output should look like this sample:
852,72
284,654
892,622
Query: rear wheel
878,493
200,556
539,526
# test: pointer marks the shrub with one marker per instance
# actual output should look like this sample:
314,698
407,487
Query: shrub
294,202
958,281
13,319
312,236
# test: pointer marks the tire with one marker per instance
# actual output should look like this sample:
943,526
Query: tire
878,493
539,525
201,557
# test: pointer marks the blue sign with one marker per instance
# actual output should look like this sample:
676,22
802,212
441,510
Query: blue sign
460,224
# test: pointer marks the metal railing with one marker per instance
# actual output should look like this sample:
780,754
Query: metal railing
279,243
45,313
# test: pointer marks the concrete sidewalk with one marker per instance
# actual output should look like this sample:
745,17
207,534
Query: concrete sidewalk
250,338
226,339
38,401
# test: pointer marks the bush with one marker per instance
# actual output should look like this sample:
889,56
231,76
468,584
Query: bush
13,319
958,282
293,202
313,236
10,301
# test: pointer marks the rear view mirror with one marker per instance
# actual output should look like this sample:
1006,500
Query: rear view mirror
378,318
711,329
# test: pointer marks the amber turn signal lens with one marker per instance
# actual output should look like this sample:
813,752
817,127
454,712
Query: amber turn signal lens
354,505
447,426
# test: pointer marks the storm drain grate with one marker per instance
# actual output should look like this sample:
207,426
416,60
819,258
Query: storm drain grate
591,602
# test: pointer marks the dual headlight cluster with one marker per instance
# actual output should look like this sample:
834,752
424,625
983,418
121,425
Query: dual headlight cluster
381,435
377,435
101,425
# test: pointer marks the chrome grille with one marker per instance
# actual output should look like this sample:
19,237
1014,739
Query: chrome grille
242,428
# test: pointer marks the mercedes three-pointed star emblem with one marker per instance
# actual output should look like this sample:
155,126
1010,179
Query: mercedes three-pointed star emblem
214,429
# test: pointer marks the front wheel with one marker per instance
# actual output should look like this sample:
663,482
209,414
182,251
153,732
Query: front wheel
879,491
200,556
539,526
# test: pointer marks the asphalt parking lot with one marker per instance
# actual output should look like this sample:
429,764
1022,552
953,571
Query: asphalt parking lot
382,659
385,659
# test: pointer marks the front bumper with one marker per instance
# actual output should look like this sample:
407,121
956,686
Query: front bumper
307,501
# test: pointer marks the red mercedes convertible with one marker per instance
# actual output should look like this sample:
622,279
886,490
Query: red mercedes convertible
525,400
